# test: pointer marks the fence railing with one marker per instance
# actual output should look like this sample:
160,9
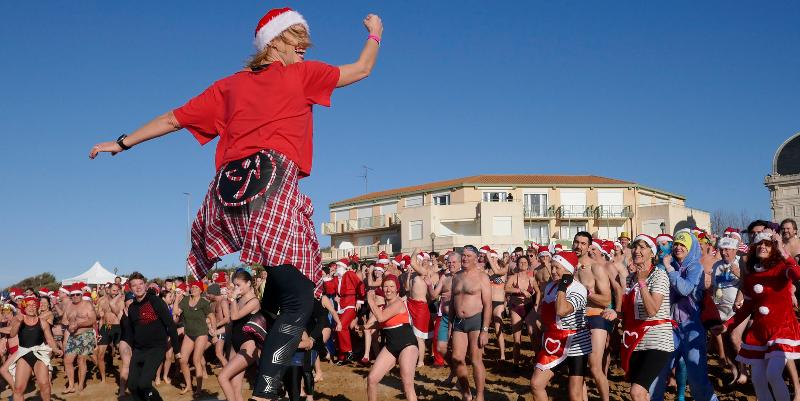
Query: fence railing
363,251
362,223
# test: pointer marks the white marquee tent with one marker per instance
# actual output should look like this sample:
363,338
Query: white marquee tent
97,274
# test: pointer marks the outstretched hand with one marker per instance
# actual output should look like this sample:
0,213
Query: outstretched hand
110,146
374,25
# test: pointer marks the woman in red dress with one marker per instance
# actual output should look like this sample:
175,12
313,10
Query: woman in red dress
774,336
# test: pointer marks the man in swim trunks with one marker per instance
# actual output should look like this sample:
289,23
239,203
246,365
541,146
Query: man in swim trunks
109,307
80,320
470,315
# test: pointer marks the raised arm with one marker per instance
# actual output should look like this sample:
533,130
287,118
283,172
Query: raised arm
350,73
159,126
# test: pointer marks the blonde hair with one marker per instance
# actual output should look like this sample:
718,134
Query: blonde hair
295,35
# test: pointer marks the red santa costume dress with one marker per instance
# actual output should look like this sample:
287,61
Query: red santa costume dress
351,295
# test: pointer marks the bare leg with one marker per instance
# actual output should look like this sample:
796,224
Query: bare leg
199,362
407,372
186,351
100,356
459,362
516,334
21,377
43,380
368,333
421,347
539,382
125,353
69,368
599,337
82,372
576,388
497,319
383,364
478,369
237,364
219,351
6,374
168,364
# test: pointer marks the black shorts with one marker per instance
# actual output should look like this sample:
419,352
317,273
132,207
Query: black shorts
468,324
576,365
597,322
495,304
645,366
110,333
398,338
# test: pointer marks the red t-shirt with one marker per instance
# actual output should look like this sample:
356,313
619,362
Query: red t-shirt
269,109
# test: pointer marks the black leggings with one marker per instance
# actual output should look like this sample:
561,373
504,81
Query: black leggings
290,292
293,375
144,363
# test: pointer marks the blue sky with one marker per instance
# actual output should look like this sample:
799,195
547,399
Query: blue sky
690,98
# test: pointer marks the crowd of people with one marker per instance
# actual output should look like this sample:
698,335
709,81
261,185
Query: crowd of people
652,305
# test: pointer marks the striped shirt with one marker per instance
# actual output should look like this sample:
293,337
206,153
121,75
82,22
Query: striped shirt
658,337
576,296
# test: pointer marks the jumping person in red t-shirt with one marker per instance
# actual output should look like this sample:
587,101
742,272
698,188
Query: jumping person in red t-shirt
263,117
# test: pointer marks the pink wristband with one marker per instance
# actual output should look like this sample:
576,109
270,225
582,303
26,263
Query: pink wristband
376,38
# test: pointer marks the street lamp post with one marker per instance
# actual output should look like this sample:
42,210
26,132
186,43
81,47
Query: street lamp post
663,227
433,237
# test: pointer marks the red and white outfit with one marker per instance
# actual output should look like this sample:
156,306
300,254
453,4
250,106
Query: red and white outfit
774,332
420,318
351,295
563,336
267,111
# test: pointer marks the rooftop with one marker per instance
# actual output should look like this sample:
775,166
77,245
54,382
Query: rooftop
497,180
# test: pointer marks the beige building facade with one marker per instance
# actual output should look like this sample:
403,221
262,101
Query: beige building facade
503,211
784,180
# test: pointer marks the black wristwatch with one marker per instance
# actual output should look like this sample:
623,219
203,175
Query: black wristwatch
121,143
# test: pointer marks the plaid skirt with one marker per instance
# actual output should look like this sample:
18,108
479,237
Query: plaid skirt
272,230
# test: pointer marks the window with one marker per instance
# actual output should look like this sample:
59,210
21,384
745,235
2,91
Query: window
441,199
389,209
495,196
501,225
364,216
341,215
415,229
536,205
610,231
364,241
414,201
796,211
537,232
569,230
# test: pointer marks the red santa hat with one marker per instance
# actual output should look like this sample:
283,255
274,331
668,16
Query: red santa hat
273,23
220,278
63,289
45,292
664,237
567,259
608,248
733,233
423,255
383,257
181,287
343,262
544,250
398,260
556,248
651,243
354,258
75,289
380,267
87,296
199,284
16,293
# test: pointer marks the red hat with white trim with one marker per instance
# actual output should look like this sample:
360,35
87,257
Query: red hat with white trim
354,258
63,289
648,240
733,233
181,287
380,267
664,238
544,250
398,260
383,257
75,289
273,23
343,262
16,293
45,292
608,248
485,249
567,259
423,255
87,296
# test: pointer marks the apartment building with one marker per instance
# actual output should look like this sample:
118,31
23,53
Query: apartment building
503,211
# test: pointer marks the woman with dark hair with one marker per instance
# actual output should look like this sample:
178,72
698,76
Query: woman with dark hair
263,116
244,304
197,312
33,354
774,336
647,339
521,289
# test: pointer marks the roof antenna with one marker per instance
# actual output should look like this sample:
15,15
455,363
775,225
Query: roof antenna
367,169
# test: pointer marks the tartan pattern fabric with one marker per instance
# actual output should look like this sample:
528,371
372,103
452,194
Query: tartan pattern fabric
275,232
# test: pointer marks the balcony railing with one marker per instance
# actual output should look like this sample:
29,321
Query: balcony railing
613,212
574,212
363,251
540,211
363,223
